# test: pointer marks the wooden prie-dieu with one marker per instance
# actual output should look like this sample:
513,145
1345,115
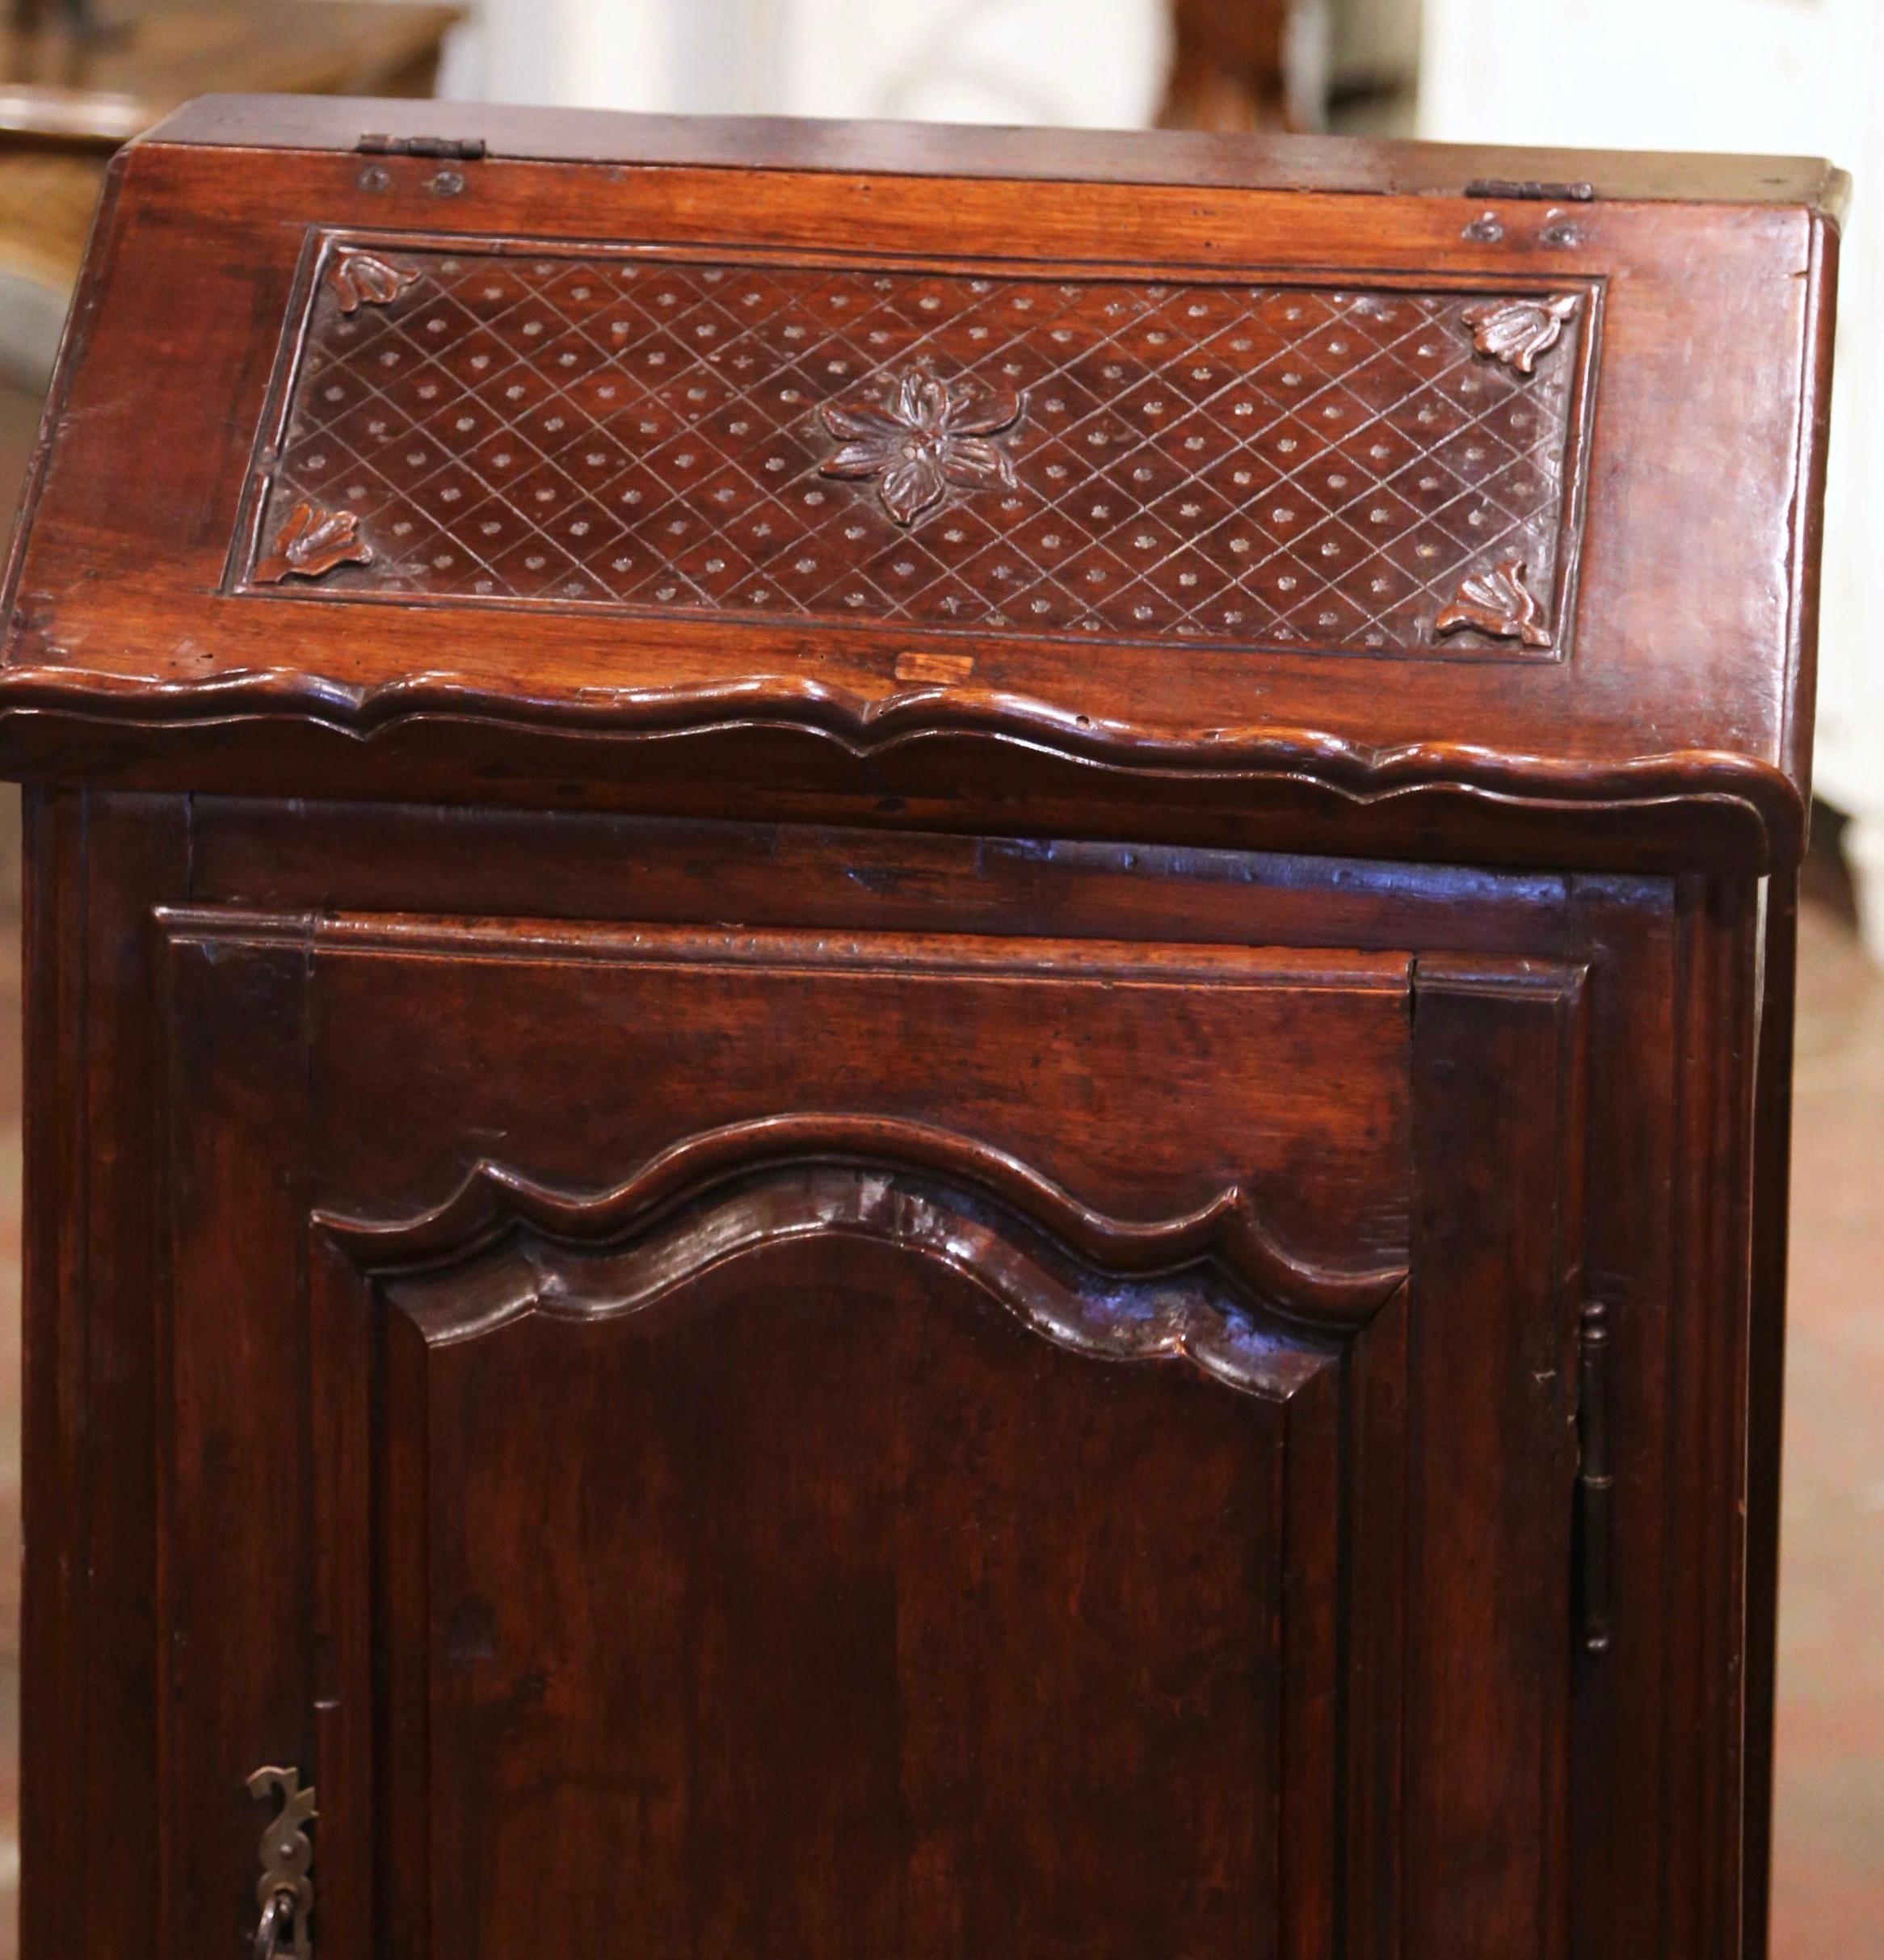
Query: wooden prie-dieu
908,1042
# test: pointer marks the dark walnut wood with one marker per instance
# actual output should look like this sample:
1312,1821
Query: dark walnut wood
730,1259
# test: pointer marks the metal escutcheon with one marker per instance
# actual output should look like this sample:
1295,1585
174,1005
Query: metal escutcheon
285,1891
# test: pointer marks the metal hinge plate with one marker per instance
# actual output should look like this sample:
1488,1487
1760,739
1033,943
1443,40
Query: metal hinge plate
1530,191
451,149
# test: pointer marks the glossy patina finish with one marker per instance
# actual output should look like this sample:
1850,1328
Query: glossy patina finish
822,1258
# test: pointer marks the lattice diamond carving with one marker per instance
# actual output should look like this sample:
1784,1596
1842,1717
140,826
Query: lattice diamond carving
1297,466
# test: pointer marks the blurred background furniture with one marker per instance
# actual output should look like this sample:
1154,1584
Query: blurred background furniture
1244,65
1293,65
1222,65
76,83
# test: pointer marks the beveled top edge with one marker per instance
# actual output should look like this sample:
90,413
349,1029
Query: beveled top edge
1350,165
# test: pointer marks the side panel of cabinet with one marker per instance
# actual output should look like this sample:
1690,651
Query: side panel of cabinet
90,1866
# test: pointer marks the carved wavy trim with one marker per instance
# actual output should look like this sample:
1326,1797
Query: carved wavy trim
873,731
894,1179
1186,1315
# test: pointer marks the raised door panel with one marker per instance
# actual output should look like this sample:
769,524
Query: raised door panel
961,1486
826,1602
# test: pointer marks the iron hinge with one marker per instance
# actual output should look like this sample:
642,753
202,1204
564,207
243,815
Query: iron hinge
1595,1480
1530,191
450,149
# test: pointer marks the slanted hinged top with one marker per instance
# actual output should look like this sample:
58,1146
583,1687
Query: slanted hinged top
1133,484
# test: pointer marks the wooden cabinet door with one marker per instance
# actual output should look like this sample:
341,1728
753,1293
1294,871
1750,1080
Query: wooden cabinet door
821,1447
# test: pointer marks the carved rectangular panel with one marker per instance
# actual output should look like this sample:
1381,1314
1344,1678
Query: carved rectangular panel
767,1615
1311,465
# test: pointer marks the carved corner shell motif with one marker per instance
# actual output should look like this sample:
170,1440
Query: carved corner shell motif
361,279
922,434
1497,603
312,543
1517,331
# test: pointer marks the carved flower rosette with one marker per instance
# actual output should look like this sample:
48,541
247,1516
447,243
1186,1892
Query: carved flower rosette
921,436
